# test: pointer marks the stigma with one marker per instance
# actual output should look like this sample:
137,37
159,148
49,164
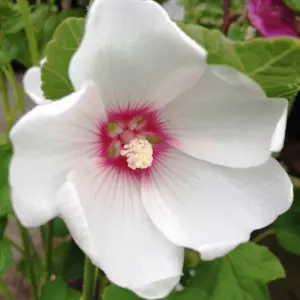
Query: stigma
139,153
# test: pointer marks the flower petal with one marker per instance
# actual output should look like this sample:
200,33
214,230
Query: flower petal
47,142
208,207
32,82
279,134
104,212
135,53
226,119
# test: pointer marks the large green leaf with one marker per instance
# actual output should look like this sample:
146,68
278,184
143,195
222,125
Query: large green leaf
55,77
272,63
288,226
5,203
51,23
6,258
188,294
58,290
68,261
293,4
241,275
59,228
114,292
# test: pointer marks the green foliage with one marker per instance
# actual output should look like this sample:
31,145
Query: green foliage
38,268
241,275
267,61
114,292
57,289
55,20
68,261
288,226
56,82
5,203
59,228
188,294
293,4
6,258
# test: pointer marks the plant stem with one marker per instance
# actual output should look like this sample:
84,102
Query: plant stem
30,34
88,281
7,294
5,102
226,17
48,234
28,258
18,91
16,246
264,234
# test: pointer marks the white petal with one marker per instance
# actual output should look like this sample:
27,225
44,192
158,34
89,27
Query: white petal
47,142
209,207
110,224
226,120
211,252
33,85
32,82
279,134
135,53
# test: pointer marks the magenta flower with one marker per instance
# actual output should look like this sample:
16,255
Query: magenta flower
273,18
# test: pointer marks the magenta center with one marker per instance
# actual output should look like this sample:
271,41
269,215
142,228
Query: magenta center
123,126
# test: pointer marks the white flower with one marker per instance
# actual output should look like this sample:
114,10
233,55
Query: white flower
154,152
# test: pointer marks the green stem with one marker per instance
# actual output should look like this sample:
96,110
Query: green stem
29,30
5,102
89,278
7,294
16,246
264,234
48,235
18,91
28,258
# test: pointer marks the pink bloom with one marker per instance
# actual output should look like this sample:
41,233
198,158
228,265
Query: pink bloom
154,152
273,18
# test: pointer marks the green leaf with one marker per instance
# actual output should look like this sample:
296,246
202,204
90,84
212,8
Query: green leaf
68,261
288,226
6,258
66,39
267,61
188,294
293,4
5,203
240,275
114,292
16,47
58,290
53,22
10,19
59,228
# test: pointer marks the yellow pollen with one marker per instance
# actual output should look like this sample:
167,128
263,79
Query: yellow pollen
139,154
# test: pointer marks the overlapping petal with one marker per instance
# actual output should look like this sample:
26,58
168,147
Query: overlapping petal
105,214
48,142
209,207
135,53
226,119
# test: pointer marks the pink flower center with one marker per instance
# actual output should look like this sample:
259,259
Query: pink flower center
132,139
